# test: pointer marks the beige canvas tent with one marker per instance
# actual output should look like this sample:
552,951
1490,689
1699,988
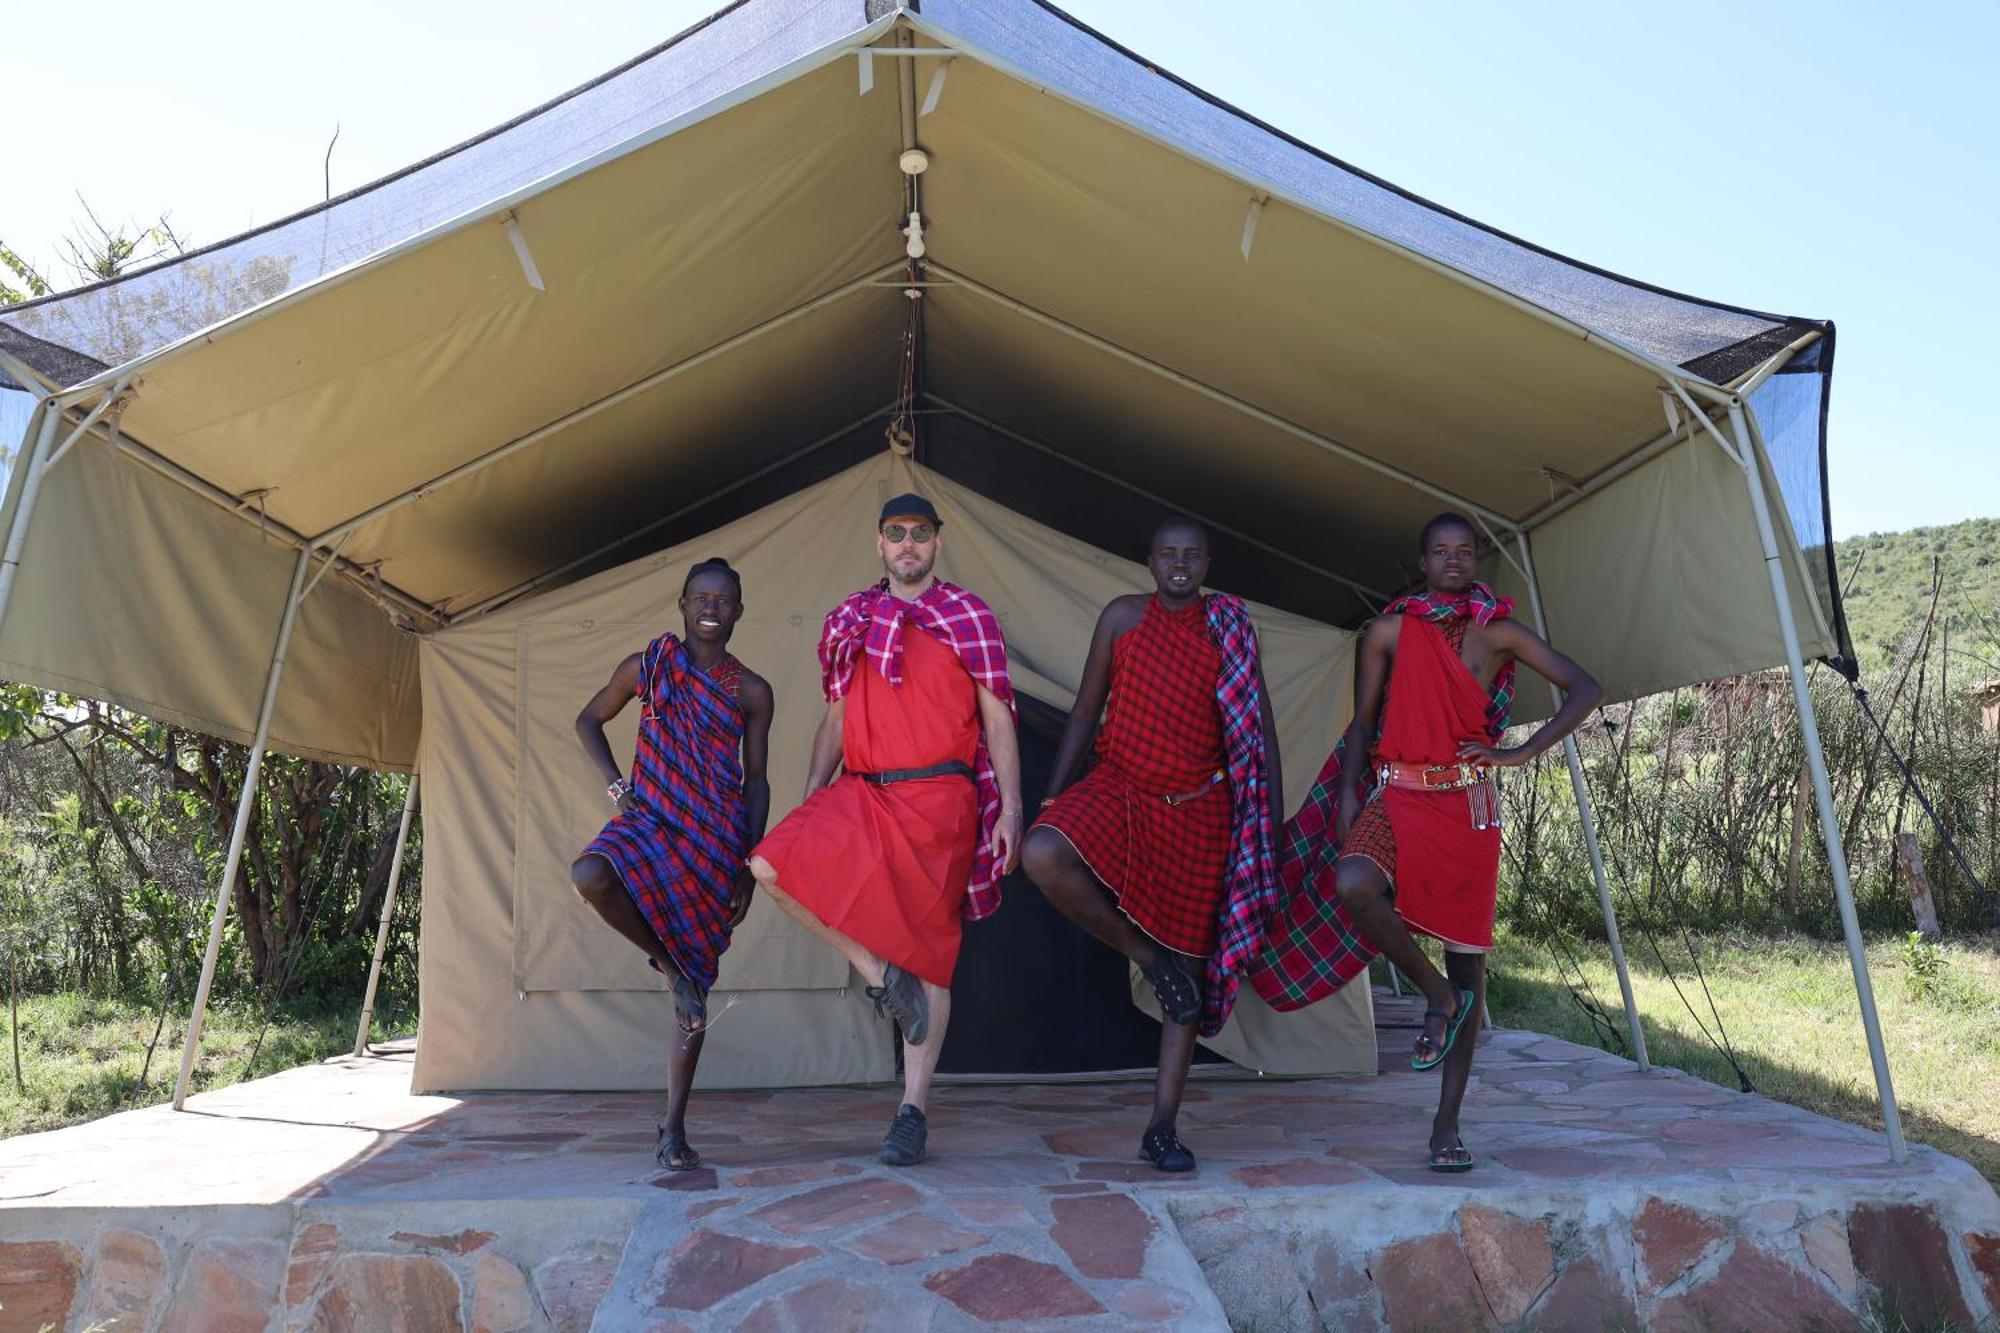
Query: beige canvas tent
705,284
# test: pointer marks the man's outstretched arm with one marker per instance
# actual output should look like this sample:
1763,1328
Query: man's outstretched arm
1581,693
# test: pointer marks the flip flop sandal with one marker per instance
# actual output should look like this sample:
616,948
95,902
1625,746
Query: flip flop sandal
1452,1024
1453,1159
1178,993
672,1152
901,997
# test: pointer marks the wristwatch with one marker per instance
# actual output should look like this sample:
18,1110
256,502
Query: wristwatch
616,791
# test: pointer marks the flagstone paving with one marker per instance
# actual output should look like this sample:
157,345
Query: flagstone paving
330,1197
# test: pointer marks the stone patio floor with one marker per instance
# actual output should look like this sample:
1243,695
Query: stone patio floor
330,1197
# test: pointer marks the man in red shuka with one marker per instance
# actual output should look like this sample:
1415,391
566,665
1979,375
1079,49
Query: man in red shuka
1164,850
883,863
1421,851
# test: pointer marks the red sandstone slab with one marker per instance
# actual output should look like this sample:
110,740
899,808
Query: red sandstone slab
38,1281
709,1266
913,1236
1005,1287
1104,1235
836,1206
1671,1239
1750,1293
798,1173
831,1305
1903,1251
1428,1283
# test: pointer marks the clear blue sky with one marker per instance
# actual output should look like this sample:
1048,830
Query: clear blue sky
1830,160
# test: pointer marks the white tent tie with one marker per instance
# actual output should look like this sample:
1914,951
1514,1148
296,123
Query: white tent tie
512,226
936,89
1256,210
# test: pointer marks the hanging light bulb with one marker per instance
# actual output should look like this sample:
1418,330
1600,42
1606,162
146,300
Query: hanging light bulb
915,231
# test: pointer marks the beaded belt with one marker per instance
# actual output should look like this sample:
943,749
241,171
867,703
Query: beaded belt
1483,796
1431,777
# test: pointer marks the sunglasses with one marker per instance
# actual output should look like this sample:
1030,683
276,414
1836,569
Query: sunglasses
916,532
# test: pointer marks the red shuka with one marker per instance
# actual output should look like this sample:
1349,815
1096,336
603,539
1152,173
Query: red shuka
1162,736
887,866
1445,871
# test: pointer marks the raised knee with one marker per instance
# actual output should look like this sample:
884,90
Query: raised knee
1357,884
593,878
1044,855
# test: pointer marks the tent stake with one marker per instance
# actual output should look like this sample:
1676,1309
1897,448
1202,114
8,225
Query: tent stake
242,827
1829,823
1587,816
388,910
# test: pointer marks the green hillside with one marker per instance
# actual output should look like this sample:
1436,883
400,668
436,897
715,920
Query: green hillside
1888,580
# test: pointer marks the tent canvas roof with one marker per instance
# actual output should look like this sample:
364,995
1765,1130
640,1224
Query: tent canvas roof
680,291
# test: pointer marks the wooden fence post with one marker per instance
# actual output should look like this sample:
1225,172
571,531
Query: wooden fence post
1910,861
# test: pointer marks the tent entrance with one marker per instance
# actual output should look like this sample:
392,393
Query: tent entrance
1033,994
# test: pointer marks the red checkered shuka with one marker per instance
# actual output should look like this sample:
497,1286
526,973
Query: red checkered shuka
869,625
1161,737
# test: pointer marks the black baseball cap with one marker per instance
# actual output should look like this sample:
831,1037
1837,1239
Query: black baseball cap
911,505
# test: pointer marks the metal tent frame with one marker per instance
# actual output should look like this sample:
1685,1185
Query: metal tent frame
1704,402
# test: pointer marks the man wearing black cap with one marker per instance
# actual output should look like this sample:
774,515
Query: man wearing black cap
885,862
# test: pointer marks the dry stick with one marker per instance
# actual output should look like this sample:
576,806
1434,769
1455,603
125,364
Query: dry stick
1943,721
14,1010
1906,659
1660,802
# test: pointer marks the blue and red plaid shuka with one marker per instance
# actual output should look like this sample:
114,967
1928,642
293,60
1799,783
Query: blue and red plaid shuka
869,625
1314,948
679,852
1251,893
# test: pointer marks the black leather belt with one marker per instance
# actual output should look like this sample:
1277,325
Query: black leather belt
953,769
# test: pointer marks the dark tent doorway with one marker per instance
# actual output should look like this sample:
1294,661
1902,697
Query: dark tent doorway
1033,994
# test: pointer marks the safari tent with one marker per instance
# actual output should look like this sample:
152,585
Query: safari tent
395,481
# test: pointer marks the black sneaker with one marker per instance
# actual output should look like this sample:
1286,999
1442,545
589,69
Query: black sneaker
1164,1149
901,996
903,1145
1179,993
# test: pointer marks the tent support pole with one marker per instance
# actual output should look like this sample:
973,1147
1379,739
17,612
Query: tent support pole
1375,598
42,430
1587,817
1214,394
388,910
244,804
1829,822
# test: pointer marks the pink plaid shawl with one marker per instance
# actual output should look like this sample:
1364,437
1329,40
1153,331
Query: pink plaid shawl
870,624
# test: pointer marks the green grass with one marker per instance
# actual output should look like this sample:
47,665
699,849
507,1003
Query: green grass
1890,587
1789,1009
81,1055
